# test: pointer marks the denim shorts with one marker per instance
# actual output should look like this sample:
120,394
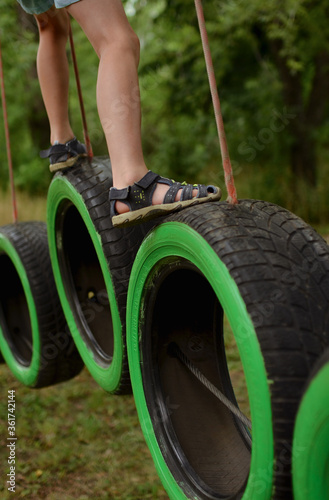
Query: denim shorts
40,6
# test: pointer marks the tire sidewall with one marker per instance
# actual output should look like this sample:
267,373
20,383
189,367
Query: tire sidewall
107,377
28,375
178,239
310,455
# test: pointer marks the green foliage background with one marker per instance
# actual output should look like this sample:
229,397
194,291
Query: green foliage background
260,51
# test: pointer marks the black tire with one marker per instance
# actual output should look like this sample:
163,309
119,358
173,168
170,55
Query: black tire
267,271
311,437
92,263
34,339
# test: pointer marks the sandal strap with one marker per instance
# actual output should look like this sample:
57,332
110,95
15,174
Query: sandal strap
187,192
61,152
171,193
144,183
202,190
147,180
119,194
57,149
142,190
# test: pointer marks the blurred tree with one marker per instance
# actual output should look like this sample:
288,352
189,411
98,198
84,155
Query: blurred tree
294,36
29,128
26,114
271,63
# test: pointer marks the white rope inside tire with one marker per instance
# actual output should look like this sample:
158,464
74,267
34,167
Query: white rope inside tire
196,372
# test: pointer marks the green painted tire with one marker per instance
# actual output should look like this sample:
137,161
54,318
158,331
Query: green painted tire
311,437
34,338
91,262
241,260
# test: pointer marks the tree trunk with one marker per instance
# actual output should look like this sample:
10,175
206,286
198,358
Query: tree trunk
309,113
303,158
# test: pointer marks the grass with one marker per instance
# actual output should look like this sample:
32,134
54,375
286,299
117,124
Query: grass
236,370
76,441
28,208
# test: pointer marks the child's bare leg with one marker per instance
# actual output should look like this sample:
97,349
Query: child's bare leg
117,46
53,71
106,25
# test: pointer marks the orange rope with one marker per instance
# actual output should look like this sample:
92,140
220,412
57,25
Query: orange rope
228,172
10,162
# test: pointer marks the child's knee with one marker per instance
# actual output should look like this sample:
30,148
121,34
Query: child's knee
126,42
54,22
135,45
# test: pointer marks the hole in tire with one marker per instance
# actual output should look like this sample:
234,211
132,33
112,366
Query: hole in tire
84,283
206,448
14,312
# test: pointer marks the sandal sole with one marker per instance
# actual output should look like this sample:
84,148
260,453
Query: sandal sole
66,164
145,214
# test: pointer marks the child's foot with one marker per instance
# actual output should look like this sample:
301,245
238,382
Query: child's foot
64,155
138,198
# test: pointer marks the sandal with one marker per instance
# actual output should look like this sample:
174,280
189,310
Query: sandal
64,155
138,198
